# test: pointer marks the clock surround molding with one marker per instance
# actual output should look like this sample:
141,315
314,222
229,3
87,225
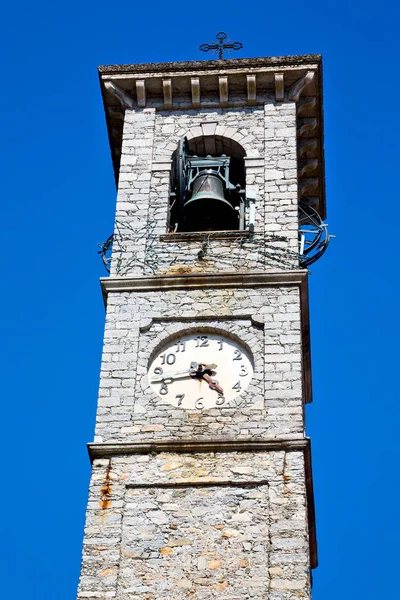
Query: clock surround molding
240,330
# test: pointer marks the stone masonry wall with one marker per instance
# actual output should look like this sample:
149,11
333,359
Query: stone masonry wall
229,525
268,137
267,320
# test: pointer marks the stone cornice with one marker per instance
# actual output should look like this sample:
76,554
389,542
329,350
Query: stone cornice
202,281
112,449
212,65
103,450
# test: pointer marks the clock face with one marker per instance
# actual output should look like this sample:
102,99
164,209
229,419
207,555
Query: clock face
201,370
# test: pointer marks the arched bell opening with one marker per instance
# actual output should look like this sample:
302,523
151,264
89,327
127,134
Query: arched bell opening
207,185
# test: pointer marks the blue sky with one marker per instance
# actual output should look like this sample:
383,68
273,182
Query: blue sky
58,199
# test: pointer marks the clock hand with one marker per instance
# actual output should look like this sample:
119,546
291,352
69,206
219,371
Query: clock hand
174,374
201,368
213,383
195,369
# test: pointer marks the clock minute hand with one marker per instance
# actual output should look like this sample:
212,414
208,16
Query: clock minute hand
174,374
195,369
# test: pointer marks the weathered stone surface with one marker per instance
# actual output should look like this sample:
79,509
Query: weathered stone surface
189,524
227,530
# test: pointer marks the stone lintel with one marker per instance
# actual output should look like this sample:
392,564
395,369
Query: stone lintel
161,165
195,236
254,162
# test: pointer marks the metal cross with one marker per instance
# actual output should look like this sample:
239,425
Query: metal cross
221,47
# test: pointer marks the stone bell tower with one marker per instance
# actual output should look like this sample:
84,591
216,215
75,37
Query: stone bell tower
202,484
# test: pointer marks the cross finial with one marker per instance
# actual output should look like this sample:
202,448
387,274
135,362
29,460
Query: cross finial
221,46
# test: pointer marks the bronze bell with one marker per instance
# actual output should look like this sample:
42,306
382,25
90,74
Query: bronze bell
208,208
208,186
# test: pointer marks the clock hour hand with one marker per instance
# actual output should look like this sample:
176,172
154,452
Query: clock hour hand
213,383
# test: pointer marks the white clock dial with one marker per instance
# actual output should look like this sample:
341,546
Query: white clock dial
200,370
